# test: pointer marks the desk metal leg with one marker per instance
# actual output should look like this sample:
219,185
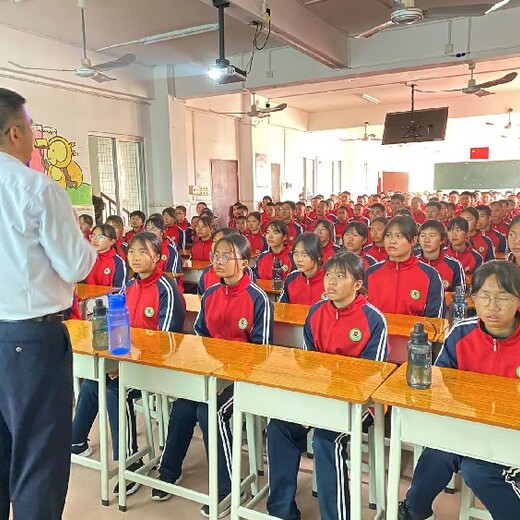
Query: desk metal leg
379,462
213,448
103,433
394,467
355,458
236,468
122,439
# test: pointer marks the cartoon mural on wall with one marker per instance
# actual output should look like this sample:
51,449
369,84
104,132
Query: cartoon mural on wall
55,156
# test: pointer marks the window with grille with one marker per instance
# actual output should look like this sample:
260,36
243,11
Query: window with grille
118,164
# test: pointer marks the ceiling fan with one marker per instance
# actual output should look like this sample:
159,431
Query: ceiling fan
258,111
404,12
86,69
508,125
366,136
478,89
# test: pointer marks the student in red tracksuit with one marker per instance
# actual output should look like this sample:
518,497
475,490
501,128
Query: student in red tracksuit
354,239
341,224
305,284
497,217
254,235
294,230
344,324
209,277
377,248
325,230
137,219
172,229
402,284
459,247
236,310
358,215
479,242
484,225
109,269
154,303
202,248
513,241
268,216
432,236
488,343
171,261
276,237
120,245
85,224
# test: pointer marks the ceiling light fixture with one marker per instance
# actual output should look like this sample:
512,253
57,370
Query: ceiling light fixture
497,5
368,97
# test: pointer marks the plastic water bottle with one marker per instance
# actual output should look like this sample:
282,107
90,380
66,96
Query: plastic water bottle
119,342
419,369
458,307
99,326
277,275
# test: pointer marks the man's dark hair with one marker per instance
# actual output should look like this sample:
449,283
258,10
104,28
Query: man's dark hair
138,213
10,105
87,219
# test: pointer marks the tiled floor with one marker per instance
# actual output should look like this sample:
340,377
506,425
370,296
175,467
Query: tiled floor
83,498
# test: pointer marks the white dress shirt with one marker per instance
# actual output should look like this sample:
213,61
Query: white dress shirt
42,249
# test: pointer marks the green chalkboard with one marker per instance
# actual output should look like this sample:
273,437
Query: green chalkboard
477,175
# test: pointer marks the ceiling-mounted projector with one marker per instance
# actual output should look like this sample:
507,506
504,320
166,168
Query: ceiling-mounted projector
223,72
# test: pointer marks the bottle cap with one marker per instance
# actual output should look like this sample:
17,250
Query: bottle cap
459,295
277,263
99,308
418,334
116,301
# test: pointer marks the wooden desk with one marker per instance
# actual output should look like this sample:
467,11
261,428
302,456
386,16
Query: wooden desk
448,297
88,365
86,293
469,414
267,287
320,390
193,270
185,253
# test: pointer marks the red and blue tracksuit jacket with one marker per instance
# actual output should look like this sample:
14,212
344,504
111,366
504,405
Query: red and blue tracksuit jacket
294,231
201,250
177,235
209,278
449,269
358,330
298,288
483,245
409,287
339,229
132,233
502,227
109,270
469,258
170,261
263,269
330,250
419,217
367,259
499,240
377,252
155,303
184,224
305,224
511,258
469,347
241,312
121,248
257,242
362,219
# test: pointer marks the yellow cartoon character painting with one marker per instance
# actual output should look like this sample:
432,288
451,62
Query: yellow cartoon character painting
54,156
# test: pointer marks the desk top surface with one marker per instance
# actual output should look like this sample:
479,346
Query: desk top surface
457,393
325,375
195,265
267,286
85,291
80,332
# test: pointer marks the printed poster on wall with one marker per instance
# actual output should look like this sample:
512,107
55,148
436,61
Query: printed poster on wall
262,173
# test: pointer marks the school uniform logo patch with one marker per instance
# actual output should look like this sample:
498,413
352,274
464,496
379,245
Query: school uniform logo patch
466,269
149,312
445,284
481,249
415,294
242,323
355,335
107,270
164,258
518,371
324,296
257,251
285,268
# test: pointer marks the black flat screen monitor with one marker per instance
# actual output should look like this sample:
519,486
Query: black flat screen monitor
425,125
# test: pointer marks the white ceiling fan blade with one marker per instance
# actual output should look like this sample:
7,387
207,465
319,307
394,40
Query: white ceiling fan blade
102,78
437,91
498,5
457,11
123,61
500,81
270,110
23,67
483,93
375,30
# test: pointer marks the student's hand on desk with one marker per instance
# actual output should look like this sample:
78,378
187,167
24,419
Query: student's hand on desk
114,374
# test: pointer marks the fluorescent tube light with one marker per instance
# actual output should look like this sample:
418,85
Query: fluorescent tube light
368,97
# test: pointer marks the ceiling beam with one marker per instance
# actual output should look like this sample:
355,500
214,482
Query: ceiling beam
294,24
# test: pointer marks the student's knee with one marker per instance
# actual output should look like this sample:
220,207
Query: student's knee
89,389
477,474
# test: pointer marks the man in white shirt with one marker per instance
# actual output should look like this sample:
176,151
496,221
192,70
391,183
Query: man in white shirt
43,253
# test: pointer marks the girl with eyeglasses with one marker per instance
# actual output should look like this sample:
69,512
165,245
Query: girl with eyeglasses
305,285
235,309
403,284
109,269
347,325
488,343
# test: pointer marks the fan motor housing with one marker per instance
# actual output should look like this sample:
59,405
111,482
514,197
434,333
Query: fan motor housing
407,16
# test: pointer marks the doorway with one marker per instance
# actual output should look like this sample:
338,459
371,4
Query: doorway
275,182
224,188
395,181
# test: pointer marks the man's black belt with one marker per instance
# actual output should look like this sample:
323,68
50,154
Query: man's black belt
57,317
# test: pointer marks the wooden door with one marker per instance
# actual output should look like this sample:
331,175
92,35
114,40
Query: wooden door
275,182
395,181
224,188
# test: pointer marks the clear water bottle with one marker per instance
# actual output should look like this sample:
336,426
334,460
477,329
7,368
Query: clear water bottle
419,368
458,307
119,342
99,326
277,275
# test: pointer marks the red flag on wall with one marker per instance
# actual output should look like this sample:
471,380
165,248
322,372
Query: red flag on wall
479,153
